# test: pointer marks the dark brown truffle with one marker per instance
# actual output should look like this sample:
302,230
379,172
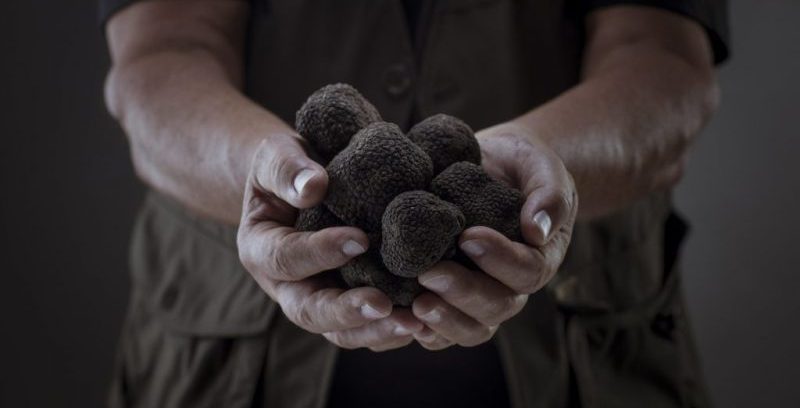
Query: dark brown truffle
367,270
377,165
376,180
483,200
315,219
446,140
419,229
331,116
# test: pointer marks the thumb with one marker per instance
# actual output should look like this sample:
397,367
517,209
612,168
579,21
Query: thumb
551,202
282,167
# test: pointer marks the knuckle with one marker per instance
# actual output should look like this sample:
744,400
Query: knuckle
304,318
261,160
461,287
282,264
549,272
384,347
347,345
478,336
516,303
503,309
247,260
324,251
331,337
346,315
337,339
527,283
283,169
559,196
566,199
531,267
247,257
437,343
279,168
393,345
495,312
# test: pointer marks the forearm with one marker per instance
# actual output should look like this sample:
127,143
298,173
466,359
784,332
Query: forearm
191,131
624,130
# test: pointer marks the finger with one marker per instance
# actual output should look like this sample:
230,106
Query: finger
394,345
551,201
522,268
390,332
283,253
328,309
430,340
282,167
269,248
669,176
259,206
474,293
449,322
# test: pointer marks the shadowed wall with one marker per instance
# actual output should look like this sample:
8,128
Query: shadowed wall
741,192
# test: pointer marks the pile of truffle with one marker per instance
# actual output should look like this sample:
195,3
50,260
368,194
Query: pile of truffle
413,194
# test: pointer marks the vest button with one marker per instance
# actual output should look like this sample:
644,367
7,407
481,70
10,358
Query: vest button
397,80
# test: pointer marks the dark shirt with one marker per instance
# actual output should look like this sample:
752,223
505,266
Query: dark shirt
413,9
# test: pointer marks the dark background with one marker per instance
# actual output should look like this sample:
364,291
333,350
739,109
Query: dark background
69,197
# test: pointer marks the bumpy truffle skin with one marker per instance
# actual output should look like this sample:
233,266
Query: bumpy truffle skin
447,140
378,164
331,116
366,270
419,229
483,200
315,219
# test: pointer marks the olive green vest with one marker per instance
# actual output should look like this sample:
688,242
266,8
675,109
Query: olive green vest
610,330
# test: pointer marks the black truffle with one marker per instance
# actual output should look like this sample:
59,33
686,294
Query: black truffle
331,116
315,219
419,229
378,164
377,177
367,270
446,140
483,200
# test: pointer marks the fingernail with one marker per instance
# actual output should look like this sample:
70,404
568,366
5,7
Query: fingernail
542,220
434,316
371,313
437,284
431,337
301,179
353,248
473,248
400,330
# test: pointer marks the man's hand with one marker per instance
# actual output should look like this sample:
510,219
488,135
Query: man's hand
289,264
467,306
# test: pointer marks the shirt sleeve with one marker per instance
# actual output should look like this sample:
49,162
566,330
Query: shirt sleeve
712,15
107,8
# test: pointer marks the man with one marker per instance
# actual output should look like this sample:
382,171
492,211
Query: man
592,99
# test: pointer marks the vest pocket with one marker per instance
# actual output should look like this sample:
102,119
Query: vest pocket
628,338
197,330
189,271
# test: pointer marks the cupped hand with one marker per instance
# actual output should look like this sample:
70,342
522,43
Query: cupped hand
464,306
289,265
